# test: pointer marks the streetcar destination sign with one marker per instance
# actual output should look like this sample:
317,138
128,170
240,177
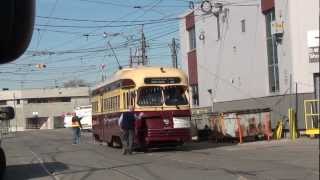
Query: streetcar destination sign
162,80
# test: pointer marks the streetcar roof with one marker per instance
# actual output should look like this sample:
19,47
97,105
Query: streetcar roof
138,75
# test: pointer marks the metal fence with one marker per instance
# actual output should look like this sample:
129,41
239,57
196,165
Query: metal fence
233,124
6,129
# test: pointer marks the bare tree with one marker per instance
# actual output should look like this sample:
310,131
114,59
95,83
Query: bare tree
75,83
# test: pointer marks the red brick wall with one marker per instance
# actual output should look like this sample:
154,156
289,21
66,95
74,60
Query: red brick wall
189,21
266,5
192,67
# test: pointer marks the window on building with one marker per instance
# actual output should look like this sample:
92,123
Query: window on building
49,100
3,102
195,95
192,38
18,101
243,25
272,52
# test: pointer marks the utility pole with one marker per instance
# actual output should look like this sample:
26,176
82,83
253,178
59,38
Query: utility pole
140,55
174,53
144,58
210,91
21,85
297,103
55,83
15,110
130,58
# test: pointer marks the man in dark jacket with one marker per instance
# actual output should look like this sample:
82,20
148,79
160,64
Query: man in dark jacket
127,124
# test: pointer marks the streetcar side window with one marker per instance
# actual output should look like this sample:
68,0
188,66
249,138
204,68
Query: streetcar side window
104,104
118,102
127,99
124,101
113,103
95,106
108,104
132,98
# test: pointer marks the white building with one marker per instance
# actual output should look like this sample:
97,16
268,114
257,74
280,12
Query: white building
43,108
251,53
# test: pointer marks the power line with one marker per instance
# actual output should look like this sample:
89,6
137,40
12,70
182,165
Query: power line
131,6
109,21
47,23
122,17
95,26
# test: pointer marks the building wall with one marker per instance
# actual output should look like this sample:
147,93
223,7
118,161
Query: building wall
299,18
236,66
46,111
184,44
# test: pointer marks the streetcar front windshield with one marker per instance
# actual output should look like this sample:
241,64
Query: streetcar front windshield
150,96
175,95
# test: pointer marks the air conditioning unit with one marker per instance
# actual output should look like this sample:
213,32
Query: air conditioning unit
277,29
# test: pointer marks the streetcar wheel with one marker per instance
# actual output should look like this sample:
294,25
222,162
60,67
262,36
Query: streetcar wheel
110,143
96,137
116,142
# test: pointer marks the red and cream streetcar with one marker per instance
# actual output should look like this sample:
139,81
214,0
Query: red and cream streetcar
161,94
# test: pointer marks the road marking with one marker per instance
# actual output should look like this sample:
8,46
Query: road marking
43,166
124,173
242,178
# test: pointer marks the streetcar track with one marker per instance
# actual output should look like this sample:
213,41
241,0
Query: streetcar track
43,166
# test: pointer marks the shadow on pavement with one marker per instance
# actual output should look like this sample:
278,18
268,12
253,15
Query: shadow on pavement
191,146
30,171
205,145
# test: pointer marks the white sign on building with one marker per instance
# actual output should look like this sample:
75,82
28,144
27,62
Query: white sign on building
313,45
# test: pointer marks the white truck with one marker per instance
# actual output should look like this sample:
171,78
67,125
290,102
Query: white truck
83,112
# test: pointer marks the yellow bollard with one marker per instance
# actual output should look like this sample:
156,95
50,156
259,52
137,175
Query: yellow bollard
292,124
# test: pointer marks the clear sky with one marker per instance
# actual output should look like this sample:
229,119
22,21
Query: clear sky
68,39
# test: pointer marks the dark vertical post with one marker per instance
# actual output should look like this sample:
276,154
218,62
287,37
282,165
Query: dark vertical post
297,103
174,53
239,129
130,58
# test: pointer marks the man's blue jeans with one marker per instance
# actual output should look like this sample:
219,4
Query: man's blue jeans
127,140
76,135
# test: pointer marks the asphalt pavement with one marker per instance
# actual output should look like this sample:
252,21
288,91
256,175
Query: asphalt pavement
49,154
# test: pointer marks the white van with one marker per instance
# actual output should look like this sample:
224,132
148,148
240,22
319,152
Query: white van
83,112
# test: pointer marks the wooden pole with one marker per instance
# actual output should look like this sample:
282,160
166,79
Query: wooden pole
239,130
